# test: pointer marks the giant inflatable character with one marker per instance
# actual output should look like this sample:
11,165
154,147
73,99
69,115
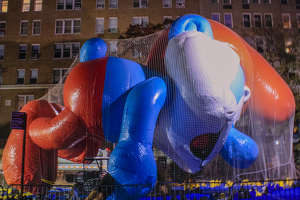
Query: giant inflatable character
188,111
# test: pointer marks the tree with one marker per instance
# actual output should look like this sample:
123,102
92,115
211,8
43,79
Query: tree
139,48
279,47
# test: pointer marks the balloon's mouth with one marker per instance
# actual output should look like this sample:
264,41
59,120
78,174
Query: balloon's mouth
202,145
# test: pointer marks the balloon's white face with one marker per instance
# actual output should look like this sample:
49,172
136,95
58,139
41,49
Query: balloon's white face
209,97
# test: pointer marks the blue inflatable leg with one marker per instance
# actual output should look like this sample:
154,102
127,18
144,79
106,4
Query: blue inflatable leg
132,161
239,150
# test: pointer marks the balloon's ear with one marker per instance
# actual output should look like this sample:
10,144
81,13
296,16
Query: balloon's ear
190,22
247,94
92,49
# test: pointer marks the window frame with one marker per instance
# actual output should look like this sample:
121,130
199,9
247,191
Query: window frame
142,3
2,30
100,7
110,26
229,3
32,52
62,50
26,100
22,52
19,78
287,2
2,6
113,53
33,27
31,81
96,25
214,2
24,6
72,27
61,75
35,5
298,20
249,15
246,3
180,3
256,2
2,56
290,24
259,14
110,3
265,22
74,6
218,16
141,21
231,21
269,1
168,3
23,21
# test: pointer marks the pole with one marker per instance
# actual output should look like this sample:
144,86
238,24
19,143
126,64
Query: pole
23,155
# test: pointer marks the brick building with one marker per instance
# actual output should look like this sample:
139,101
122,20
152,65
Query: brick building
39,39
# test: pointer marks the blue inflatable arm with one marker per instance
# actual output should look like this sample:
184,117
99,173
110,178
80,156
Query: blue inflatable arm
239,150
132,161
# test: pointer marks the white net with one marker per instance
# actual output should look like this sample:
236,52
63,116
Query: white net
273,137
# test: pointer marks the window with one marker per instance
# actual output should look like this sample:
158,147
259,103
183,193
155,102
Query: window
113,4
259,45
143,21
245,1
99,25
249,41
24,28
266,1
228,20
268,20
66,26
20,76
180,3
68,5
66,50
38,4
257,20
26,6
140,3
246,21
284,1
100,4
33,76
167,3
23,100
298,21
227,1
35,48
215,17
113,48
286,21
256,1
113,25
36,28
2,28
22,51
214,1
3,5
59,74
1,52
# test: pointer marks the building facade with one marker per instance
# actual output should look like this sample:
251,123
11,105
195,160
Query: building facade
39,39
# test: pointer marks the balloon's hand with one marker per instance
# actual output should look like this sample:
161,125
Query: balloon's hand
239,150
132,161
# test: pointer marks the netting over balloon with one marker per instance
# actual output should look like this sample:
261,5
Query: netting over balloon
218,110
